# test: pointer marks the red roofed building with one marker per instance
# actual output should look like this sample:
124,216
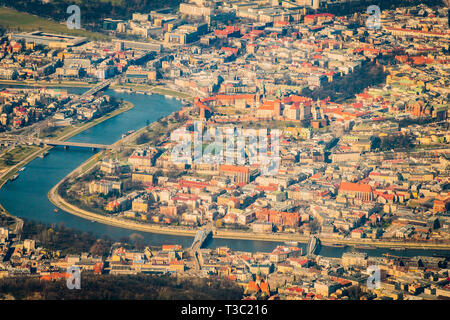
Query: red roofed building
290,219
98,268
417,33
56,276
229,31
237,173
254,287
441,204
358,190
319,18
233,51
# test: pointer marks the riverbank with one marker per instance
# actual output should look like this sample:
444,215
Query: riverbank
158,89
152,89
79,84
62,137
18,225
61,203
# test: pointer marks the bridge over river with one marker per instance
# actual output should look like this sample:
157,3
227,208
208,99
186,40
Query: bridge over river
67,144
201,237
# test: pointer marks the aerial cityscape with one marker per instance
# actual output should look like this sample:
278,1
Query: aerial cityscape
224,150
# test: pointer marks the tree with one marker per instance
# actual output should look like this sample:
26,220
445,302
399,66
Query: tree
8,159
124,239
143,138
100,248
137,241
375,142
397,141
354,292
315,225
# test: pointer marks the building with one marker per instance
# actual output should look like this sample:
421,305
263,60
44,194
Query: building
140,75
139,205
238,174
104,187
192,9
110,167
142,159
325,288
441,204
354,259
262,227
49,39
356,190
134,45
29,244
186,33
145,178
4,234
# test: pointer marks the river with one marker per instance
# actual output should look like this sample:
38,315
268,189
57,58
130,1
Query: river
26,197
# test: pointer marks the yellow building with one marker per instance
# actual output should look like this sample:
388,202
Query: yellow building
139,205
144,178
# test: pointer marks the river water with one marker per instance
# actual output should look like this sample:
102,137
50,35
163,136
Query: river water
26,197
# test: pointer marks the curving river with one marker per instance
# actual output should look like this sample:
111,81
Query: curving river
26,197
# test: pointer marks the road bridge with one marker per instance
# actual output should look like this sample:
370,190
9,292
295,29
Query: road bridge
200,238
67,144
97,88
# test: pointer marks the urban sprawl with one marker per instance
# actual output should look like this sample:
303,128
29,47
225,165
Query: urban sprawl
362,155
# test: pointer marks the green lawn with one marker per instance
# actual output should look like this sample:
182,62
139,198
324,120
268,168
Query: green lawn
18,154
21,21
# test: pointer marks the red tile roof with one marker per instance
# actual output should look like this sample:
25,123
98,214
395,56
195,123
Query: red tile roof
355,187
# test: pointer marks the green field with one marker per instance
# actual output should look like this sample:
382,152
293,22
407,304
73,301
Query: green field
17,154
20,21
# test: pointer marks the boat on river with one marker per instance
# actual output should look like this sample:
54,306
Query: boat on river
44,154
14,177
337,245
397,249
365,247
